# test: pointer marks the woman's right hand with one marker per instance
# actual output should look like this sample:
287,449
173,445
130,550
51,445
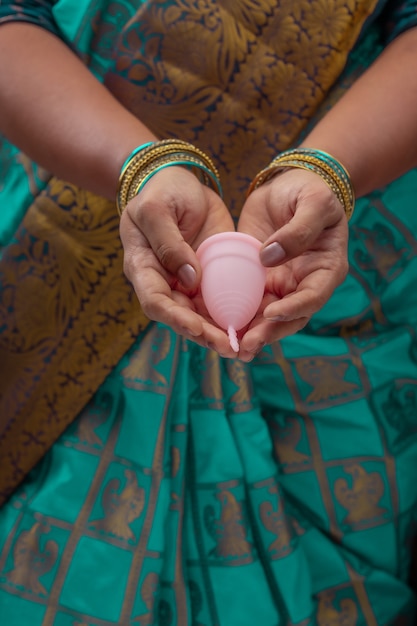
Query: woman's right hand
160,230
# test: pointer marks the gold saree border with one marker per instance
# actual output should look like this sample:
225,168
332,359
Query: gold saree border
68,316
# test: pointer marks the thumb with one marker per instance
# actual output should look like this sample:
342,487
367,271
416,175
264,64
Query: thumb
174,253
160,230
300,233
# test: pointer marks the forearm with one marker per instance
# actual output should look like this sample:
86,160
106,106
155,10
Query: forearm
59,114
372,130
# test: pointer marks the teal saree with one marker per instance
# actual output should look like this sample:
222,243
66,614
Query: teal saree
146,480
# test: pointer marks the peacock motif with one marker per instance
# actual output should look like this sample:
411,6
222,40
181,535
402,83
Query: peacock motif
228,530
121,505
361,500
274,520
31,560
346,614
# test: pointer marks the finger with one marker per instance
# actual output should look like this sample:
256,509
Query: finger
217,340
311,295
160,303
151,283
264,333
314,214
157,219
211,337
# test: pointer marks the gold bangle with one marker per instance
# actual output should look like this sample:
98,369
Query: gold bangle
203,173
332,172
145,162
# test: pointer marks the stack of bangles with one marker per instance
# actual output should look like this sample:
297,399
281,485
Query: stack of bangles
145,161
152,157
331,171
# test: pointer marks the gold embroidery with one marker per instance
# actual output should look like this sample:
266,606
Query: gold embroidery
380,244
361,329
30,169
327,377
361,500
346,614
209,378
68,315
92,420
143,363
275,522
286,437
149,590
31,561
228,530
121,508
175,460
239,374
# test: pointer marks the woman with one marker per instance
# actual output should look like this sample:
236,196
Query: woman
148,475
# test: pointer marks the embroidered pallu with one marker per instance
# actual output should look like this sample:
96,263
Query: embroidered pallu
184,489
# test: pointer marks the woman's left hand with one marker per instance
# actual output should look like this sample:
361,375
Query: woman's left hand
304,232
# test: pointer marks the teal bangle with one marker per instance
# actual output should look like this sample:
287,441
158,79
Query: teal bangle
148,159
215,183
134,153
325,157
333,173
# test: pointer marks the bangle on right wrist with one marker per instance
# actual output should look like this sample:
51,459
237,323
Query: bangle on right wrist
332,172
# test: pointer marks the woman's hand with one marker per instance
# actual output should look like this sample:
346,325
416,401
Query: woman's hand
304,231
160,230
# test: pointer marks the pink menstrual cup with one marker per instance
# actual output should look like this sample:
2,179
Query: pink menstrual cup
233,280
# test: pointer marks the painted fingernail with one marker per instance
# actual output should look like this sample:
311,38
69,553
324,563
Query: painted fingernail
277,318
187,275
272,254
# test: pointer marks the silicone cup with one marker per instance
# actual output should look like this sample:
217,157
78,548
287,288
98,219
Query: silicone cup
233,280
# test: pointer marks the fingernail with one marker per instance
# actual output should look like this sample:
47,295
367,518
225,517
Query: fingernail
188,332
258,348
277,318
187,275
272,254
247,357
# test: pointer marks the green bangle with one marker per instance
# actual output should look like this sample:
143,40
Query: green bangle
324,157
151,157
214,181
332,172
134,153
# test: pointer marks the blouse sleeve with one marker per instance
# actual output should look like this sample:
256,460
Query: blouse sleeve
399,16
37,12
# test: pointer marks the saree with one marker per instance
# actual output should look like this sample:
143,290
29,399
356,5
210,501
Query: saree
146,480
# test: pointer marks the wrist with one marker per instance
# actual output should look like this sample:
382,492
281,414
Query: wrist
325,165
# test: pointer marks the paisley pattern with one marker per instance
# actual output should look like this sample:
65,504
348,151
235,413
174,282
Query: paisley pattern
183,489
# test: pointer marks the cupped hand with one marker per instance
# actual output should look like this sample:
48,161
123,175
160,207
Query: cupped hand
160,230
304,232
